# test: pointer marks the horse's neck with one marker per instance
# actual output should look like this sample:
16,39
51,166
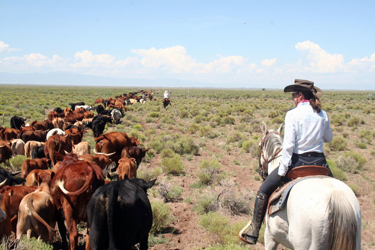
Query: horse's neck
275,162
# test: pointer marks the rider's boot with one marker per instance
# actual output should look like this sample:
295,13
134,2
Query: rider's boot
260,208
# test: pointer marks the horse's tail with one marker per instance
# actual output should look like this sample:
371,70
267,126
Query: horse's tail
343,223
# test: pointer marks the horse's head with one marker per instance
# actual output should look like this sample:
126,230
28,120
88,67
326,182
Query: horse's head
270,150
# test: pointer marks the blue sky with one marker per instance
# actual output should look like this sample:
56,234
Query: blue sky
226,44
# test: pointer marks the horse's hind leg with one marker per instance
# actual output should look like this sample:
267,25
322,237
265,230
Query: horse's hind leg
269,242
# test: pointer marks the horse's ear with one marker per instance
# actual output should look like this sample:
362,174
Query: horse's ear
264,128
280,130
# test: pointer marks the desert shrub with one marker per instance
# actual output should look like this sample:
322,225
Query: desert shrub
246,118
168,120
277,120
220,227
149,175
366,135
206,131
207,203
336,172
167,152
354,188
351,162
153,114
338,143
210,172
184,113
227,120
198,119
230,246
138,127
338,119
16,162
173,165
353,121
235,137
169,192
136,134
273,114
162,217
230,200
251,147
24,244
193,128
157,145
361,145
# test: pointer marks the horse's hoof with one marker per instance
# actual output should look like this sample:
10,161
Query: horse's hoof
248,239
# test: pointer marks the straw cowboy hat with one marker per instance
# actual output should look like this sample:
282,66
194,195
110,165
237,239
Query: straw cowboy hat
303,86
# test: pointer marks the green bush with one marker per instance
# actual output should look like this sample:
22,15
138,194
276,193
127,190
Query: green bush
353,121
227,120
235,137
336,172
338,143
153,114
193,128
17,161
24,244
149,175
277,120
210,172
169,192
173,165
138,127
220,227
162,217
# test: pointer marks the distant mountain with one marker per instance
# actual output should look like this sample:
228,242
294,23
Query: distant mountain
62,79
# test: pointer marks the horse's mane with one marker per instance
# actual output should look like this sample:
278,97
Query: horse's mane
273,142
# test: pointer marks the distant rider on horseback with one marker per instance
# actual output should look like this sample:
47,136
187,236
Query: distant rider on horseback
306,128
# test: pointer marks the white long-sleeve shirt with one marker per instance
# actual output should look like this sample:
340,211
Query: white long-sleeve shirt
166,95
305,131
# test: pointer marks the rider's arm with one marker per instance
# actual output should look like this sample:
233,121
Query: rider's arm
288,144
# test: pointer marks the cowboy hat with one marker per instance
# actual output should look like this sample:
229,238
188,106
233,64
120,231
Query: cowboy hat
304,85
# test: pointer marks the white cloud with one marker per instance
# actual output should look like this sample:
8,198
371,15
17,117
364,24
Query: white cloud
268,62
5,47
87,59
319,61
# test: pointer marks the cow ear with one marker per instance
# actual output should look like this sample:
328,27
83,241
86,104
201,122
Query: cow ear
150,184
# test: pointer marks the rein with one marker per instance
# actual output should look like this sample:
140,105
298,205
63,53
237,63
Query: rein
263,168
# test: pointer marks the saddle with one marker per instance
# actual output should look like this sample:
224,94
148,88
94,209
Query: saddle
279,197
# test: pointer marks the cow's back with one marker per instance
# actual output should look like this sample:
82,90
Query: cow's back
127,219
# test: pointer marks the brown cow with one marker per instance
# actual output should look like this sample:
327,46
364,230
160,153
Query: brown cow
18,147
31,164
134,152
47,124
71,189
99,100
127,166
74,135
56,143
81,148
37,213
36,175
29,147
74,117
113,142
33,136
9,133
68,111
102,160
5,151
12,196
37,125
58,122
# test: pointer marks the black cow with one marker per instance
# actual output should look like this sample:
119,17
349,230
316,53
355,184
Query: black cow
166,102
73,105
101,111
119,215
38,152
17,122
9,178
98,124
58,110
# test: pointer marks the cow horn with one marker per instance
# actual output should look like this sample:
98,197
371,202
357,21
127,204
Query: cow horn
16,173
3,183
100,153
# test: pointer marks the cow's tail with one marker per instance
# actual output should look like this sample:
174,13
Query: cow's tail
51,231
343,223
84,188
113,200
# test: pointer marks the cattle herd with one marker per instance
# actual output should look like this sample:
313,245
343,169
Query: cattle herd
61,183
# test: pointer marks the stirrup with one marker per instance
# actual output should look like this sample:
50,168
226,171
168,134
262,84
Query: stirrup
249,239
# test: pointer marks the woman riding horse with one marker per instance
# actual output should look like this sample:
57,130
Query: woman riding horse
306,128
